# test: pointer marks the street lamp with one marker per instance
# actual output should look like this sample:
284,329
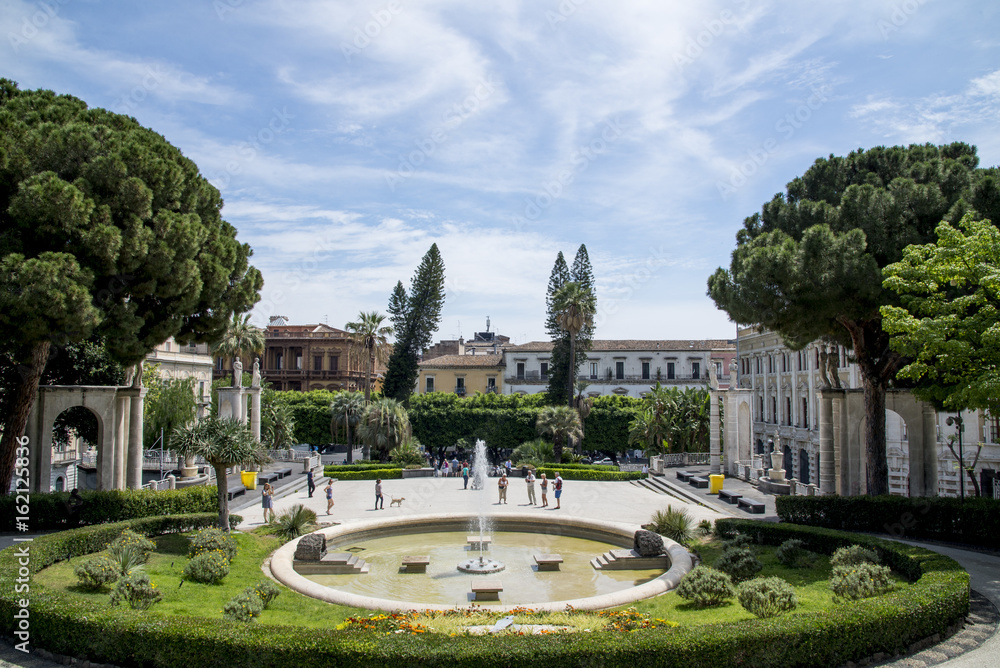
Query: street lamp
957,420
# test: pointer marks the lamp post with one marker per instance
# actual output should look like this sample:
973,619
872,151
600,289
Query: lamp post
957,420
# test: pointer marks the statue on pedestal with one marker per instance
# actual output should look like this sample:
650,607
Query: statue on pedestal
137,376
733,371
255,380
713,376
237,373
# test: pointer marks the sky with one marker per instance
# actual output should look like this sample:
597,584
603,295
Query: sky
347,137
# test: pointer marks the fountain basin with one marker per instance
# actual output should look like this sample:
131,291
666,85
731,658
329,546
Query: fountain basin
481,566
607,532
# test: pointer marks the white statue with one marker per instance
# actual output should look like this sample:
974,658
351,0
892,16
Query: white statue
713,376
733,371
137,376
237,372
255,381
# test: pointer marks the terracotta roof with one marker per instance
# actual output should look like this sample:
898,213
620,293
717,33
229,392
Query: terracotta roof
607,345
322,327
463,362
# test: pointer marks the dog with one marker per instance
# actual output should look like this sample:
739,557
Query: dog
397,502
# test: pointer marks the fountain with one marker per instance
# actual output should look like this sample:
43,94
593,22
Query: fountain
483,564
774,482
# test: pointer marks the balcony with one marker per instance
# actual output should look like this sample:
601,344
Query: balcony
460,390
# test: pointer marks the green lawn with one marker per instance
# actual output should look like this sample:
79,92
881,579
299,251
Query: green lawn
166,567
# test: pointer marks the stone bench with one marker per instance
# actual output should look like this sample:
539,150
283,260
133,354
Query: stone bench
235,490
487,590
474,542
751,506
266,477
684,476
416,564
548,562
283,473
729,497
699,482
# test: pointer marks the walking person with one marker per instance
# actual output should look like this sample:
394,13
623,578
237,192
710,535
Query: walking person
310,482
267,502
530,482
502,486
379,501
465,475
329,496
558,482
544,484
444,469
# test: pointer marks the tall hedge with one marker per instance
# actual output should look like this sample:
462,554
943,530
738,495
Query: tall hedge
606,428
976,521
439,419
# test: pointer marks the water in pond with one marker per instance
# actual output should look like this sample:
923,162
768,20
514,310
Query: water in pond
444,584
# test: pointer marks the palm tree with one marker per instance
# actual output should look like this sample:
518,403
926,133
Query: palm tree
223,442
561,423
369,335
384,426
576,306
347,408
240,340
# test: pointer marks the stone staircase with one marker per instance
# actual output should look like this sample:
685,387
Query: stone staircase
334,563
624,560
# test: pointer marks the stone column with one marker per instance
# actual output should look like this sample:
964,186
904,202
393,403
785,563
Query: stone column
929,454
715,443
255,413
133,472
117,480
827,473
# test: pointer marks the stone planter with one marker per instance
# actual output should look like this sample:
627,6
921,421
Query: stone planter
418,473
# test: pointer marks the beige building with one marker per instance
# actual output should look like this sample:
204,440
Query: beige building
462,374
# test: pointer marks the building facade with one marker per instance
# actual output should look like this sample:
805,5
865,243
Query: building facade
784,385
462,374
622,367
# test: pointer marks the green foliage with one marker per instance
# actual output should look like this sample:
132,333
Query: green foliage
854,555
533,453
570,473
212,540
946,325
48,509
422,306
559,365
277,421
608,423
130,550
766,597
704,528
441,419
860,580
244,607
406,454
207,567
384,426
97,572
738,540
294,522
739,562
135,590
347,409
791,553
672,420
674,524
705,587
387,473
975,522
336,470
241,340
266,591
370,344
169,403
562,423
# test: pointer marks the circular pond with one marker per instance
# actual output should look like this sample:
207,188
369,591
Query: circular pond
517,540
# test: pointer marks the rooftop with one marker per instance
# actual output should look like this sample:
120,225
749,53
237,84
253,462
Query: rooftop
463,361
604,345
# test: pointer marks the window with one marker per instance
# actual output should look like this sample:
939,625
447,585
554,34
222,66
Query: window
317,363
645,370
334,363
460,385
805,412
695,370
774,410
278,359
429,387
520,370
670,371
545,370
491,384
201,389
298,361
770,363
593,370
788,411
619,370
218,364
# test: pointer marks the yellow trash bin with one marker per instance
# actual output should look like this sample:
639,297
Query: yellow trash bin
249,479
715,483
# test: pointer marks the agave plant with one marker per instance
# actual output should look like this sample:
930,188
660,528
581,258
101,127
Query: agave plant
674,524
294,522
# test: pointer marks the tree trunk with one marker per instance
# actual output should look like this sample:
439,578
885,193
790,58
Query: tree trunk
24,399
368,379
557,448
571,368
878,467
350,442
222,485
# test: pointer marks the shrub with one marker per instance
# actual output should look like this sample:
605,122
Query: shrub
590,473
387,472
136,590
244,607
294,522
130,550
407,454
266,590
212,540
704,586
674,524
766,597
207,567
704,528
739,540
791,553
739,563
862,580
853,556
96,572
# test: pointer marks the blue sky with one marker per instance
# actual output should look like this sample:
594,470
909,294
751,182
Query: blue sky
346,137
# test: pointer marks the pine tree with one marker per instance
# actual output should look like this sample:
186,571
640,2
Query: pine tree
420,315
583,274
397,308
558,367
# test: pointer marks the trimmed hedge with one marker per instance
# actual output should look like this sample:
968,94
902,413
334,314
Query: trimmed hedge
937,599
360,467
975,522
48,509
596,473
367,474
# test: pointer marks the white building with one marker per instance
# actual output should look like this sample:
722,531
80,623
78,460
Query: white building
784,385
623,367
